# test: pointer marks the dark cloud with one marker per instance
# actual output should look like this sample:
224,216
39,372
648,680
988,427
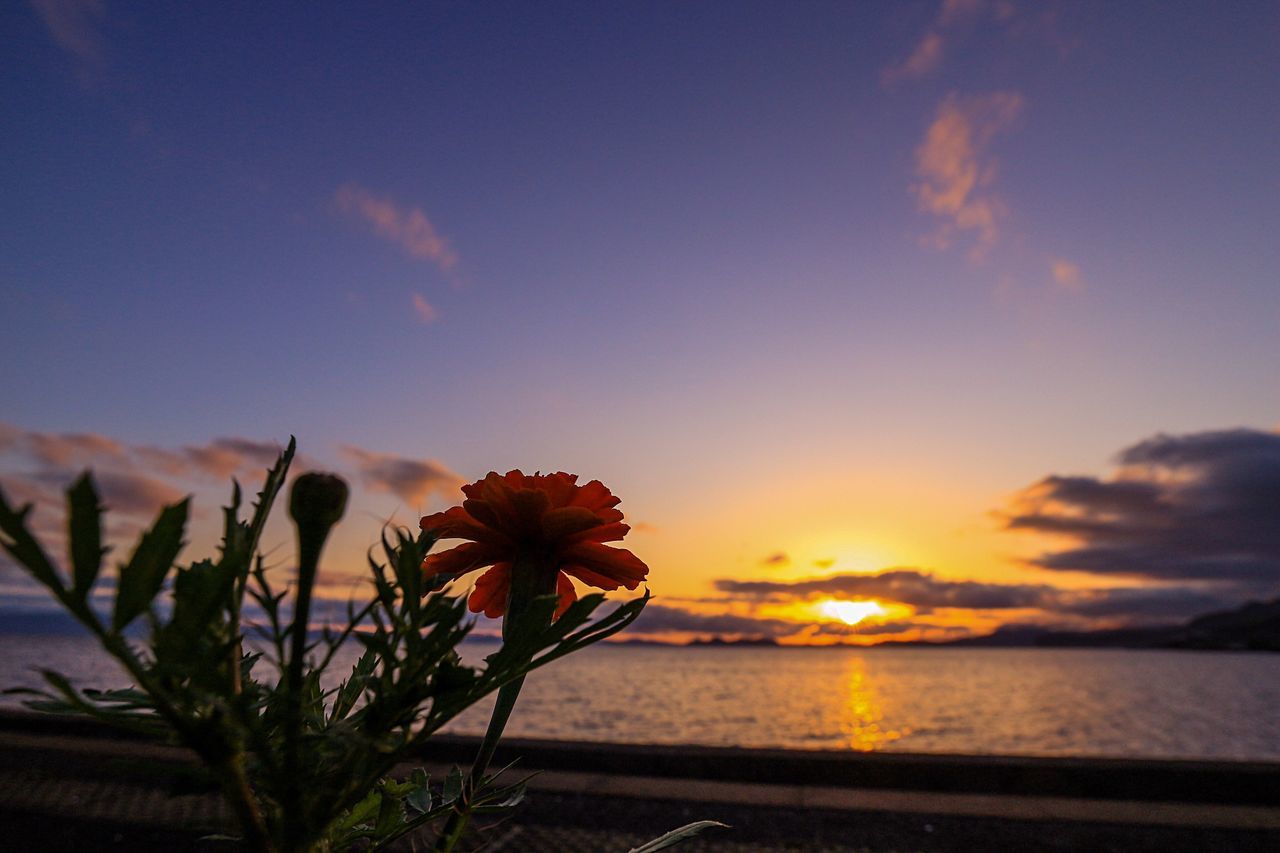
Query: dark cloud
776,559
925,593
661,619
412,480
907,586
1144,604
1203,507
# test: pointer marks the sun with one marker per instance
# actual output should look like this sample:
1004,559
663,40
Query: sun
850,612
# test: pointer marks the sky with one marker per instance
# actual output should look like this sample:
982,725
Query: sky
885,320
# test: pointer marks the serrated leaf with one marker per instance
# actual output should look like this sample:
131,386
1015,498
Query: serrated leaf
390,816
419,799
675,836
363,811
143,576
270,489
22,546
84,528
452,785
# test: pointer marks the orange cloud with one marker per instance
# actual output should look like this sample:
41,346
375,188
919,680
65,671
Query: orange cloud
932,47
956,172
408,227
411,480
426,312
1066,274
926,57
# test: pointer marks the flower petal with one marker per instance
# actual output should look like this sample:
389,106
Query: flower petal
600,533
590,578
462,559
457,523
568,595
559,487
617,563
490,595
595,495
567,521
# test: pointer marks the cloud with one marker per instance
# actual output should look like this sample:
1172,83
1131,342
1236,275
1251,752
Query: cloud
74,25
412,480
776,559
133,494
921,590
930,51
925,593
926,56
664,619
956,171
426,312
63,448
220,458
408,227
661,619
1065,274
1201,508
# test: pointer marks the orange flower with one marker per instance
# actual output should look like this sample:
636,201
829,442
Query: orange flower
547,521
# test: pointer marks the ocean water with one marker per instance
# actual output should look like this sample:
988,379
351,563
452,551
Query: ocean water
1079,702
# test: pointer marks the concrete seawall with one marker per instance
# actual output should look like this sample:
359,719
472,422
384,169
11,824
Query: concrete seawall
91,780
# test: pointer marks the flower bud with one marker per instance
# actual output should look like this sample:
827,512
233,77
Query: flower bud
318,500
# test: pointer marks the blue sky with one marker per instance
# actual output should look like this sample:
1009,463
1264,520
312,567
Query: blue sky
840,281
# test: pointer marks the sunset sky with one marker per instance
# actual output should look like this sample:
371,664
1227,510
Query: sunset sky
968,308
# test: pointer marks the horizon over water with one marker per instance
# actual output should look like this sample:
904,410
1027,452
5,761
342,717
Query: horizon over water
1063,702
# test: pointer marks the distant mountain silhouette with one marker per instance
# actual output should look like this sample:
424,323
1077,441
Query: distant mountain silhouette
1253,627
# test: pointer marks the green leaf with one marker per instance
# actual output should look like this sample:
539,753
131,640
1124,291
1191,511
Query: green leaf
452,785
84,526
390,816
143,576
270,488
349,691
363,811
23,547
675,836
419,799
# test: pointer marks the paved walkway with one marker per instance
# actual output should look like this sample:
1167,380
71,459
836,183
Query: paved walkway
80,792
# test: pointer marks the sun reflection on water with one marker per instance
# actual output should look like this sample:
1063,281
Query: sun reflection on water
864,712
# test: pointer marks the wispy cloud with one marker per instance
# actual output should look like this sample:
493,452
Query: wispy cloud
926,56
425,311
125,492
1066,274
129,476
956,170
74,25
408,227
947,27
411,480
776,559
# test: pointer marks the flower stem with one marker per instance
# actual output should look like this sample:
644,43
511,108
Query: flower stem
530,578
461,815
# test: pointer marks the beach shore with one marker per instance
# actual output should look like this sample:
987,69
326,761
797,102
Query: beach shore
70,784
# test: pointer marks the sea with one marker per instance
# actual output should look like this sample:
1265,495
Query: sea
1061,702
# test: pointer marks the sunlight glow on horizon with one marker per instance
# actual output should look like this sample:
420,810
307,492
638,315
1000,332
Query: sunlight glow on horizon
850,612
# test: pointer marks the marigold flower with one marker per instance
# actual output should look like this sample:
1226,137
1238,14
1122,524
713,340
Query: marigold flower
547,520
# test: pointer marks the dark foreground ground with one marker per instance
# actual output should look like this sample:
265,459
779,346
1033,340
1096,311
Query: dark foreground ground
72,786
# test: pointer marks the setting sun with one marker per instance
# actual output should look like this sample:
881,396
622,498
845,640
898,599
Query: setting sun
850,612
